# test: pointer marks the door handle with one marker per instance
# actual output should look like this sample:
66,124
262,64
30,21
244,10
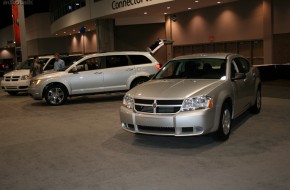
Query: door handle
130,69
98,73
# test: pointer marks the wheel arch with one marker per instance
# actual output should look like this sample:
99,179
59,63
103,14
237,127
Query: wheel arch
138,78
54,83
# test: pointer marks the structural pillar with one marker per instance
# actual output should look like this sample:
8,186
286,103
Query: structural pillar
168,31
105,35
268,31
22,31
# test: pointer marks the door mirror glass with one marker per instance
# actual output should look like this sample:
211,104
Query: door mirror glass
239,76
74,70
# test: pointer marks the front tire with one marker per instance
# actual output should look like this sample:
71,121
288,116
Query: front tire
225,123
55,95
256,108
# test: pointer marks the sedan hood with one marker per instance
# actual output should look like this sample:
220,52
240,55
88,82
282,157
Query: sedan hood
174,88
18,73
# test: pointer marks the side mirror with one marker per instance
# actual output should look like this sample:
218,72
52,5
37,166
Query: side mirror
74,70
239,76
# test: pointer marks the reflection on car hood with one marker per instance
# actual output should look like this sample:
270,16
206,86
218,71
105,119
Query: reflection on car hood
50,74
18,73
174,88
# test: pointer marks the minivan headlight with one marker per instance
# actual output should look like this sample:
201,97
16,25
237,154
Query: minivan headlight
196,103
24,77
34,82
128,102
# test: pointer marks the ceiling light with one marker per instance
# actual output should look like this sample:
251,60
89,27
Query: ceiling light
168,7
64,32
74,30
56,34
196,1
165,13
77,4
218,2
145,13
189,8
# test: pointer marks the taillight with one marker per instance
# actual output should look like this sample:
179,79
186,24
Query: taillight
158,66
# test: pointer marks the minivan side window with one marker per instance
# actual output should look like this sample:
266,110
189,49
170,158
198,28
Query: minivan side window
116,61
139,59
93,63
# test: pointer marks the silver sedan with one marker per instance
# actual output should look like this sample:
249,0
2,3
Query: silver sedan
193,95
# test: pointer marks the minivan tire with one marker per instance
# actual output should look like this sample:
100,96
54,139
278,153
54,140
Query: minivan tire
55,95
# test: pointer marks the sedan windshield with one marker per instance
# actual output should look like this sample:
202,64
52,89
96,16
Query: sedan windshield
204,68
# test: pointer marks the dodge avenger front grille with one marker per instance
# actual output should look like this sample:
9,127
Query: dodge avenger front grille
157,106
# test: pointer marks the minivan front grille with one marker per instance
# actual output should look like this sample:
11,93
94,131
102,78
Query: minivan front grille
11,78
157,106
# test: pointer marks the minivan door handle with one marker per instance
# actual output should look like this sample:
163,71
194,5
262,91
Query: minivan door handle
98,73
130,69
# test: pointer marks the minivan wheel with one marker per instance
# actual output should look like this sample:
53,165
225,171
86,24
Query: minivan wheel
55,95
225,123
256,108
139,81
13,93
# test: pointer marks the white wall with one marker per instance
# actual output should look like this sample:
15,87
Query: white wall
281,9
38,26
94,10
75,17
230,22
6,34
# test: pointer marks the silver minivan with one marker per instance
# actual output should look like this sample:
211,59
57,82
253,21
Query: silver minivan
95,73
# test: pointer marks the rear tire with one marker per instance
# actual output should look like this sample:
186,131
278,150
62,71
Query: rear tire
13,93
55,95
256,108
225,123
138,81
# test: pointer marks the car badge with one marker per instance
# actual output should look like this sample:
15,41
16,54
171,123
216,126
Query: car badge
154,105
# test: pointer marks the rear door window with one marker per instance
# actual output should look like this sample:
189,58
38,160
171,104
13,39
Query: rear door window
116,61
139,59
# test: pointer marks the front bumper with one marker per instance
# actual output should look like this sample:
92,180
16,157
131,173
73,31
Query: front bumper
189,123
35,92
16,86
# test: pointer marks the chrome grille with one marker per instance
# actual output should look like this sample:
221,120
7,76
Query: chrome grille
12,78
157,106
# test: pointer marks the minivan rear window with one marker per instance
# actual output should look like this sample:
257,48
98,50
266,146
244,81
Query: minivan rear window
139,59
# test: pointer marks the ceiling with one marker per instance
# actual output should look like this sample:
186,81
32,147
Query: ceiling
162,9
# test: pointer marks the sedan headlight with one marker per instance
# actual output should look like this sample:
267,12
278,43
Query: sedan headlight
128,102
196,103
34,82
24,77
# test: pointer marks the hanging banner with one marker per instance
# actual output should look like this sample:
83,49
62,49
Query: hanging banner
16,27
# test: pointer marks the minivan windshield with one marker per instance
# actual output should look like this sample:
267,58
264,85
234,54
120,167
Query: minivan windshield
28,63
198,68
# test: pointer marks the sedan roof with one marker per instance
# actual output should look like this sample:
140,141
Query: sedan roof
205,55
